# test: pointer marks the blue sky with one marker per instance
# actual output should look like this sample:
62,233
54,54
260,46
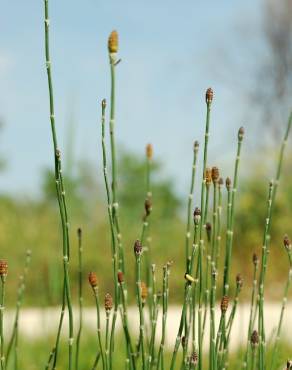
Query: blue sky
171,52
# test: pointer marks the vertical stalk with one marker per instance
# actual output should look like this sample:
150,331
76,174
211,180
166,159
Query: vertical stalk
265,252
20,294
229,238
252,310
3,274
59,186
209,98
160,357
138,250
112,231
190,198
113,48
80,295
287,286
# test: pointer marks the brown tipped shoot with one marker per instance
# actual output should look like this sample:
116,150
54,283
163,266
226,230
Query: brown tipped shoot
120,277
239,281
113,42
92,278
137,248
224,304
147,206
209,96
3,268
221,181
208,176
228,183
240,133
255,259
254,339
208,230
215,174
103,103
197,216
108,302
144,292
196,146
149,151
287,243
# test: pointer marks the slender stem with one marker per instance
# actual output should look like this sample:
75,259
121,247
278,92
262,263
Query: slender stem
112,231
231,206
190,198
20,294
59,186
140,306
160,358
2,360
251,315
107,339
279,328
80,295
101,352
265,252
115,204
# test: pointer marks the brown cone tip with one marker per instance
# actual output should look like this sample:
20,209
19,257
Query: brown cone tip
137,247
287,242
215,174
103,103
148,206
92,278
255,259
120,277
197,215
113,42
221,181
196,145
254,339
208,176
239,280
79,232
240,133
149,151
108,302
228,183
144,291
3,268
209,95
224,303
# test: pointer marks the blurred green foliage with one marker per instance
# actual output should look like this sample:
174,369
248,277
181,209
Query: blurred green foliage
34,223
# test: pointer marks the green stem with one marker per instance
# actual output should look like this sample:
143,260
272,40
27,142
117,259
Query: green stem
80,295
190,198
20,293
95,291
59,186
2,360
231,205
140,306
279,328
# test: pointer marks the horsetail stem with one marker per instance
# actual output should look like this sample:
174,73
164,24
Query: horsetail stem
20,293
138,252
265,252
80,295
59,187
92,278
231,206
114,251
288,247
190,198
113,49
160,357
3,275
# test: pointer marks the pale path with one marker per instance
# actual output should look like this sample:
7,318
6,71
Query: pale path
36,323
